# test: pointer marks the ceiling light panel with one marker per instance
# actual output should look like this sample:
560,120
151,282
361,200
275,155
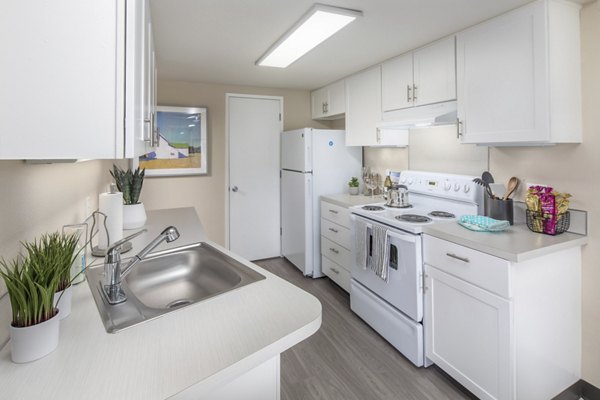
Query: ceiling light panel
320,23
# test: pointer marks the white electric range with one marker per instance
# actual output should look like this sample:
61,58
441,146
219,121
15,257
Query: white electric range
387,269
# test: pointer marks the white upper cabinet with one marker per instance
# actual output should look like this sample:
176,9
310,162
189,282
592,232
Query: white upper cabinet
423,76
329,102
364,126
363,107
67,90
519,78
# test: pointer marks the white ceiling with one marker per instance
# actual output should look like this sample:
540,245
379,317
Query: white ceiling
218,41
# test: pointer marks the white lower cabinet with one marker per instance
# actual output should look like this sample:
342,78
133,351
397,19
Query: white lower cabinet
259,383
469,334
504,330
335,243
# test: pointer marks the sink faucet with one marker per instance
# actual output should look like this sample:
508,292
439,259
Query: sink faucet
114,273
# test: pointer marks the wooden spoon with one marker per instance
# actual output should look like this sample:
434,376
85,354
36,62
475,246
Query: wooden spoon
513,184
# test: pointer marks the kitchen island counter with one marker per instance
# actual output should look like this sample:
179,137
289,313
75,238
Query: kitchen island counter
188,353
516,244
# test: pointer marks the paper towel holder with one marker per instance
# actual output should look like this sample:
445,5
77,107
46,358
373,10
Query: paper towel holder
97,251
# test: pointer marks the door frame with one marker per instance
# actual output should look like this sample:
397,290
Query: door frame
227,137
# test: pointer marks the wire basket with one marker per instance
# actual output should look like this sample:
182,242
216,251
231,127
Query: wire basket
547,223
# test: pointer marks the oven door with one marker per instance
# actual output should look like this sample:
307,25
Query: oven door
404,288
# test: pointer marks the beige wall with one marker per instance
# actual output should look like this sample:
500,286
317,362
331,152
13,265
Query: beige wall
39,199
207,193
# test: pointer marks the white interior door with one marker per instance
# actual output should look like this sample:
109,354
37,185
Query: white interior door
254,129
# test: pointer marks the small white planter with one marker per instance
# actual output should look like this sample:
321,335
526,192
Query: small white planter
134,216
65,302
353,190
34,342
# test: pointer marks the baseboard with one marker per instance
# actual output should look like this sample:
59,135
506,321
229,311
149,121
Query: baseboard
580,390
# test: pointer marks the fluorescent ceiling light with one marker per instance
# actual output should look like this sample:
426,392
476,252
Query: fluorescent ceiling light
314,27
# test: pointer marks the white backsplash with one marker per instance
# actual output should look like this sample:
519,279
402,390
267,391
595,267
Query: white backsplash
437,149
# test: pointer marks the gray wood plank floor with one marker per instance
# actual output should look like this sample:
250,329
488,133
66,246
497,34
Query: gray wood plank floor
346,359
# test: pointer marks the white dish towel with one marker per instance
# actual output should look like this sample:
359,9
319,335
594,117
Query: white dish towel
379,258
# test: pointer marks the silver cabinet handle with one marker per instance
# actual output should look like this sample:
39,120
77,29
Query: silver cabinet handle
333,230
463,259
336,251
408,89
414,92
459,128
333,211
154,133
335,270
150,121
234,189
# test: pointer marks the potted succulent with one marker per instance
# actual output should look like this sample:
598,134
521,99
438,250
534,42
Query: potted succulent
32,282
353,186
130,184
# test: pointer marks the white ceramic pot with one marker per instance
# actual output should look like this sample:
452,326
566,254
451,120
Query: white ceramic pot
34,342
353,190
134,216
65,301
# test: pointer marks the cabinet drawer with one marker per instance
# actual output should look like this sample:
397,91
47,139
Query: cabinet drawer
481,269
336,273
332,212
335,252
335,232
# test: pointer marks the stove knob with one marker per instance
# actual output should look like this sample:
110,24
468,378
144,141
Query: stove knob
467,188
447,186
410,181
402,180
456,187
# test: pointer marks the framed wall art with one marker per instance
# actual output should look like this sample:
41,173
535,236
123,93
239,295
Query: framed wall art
181,150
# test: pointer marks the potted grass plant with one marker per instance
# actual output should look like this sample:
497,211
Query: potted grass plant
37,284
130,184
55,252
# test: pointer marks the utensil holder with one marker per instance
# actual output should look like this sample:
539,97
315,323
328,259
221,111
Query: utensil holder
499,209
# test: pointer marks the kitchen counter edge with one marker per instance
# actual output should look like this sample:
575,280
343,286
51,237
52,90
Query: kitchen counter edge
516,244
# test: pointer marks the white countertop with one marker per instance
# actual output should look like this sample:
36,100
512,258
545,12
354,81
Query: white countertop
207,343
347,200
516,244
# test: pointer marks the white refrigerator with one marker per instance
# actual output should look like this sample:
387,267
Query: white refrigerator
314,162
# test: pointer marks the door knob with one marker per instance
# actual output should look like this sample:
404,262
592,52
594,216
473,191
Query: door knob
234,189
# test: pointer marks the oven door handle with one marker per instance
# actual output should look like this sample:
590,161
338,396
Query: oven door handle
403,237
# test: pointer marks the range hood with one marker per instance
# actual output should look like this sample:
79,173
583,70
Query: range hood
421,116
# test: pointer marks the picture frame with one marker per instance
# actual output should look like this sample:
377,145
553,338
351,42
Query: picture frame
182,143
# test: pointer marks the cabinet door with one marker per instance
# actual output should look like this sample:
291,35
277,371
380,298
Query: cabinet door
62,79
502,78
140,75
336,103
318,100
435,72
363,107
397,83
468,335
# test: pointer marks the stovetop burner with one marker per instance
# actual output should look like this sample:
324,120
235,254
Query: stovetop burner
373,208
399,206
441,214
413,218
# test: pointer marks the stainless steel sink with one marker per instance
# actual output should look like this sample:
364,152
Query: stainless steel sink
169,281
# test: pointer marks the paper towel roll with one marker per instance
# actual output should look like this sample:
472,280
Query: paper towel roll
111,204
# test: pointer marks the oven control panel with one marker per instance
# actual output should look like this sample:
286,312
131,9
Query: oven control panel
449,186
